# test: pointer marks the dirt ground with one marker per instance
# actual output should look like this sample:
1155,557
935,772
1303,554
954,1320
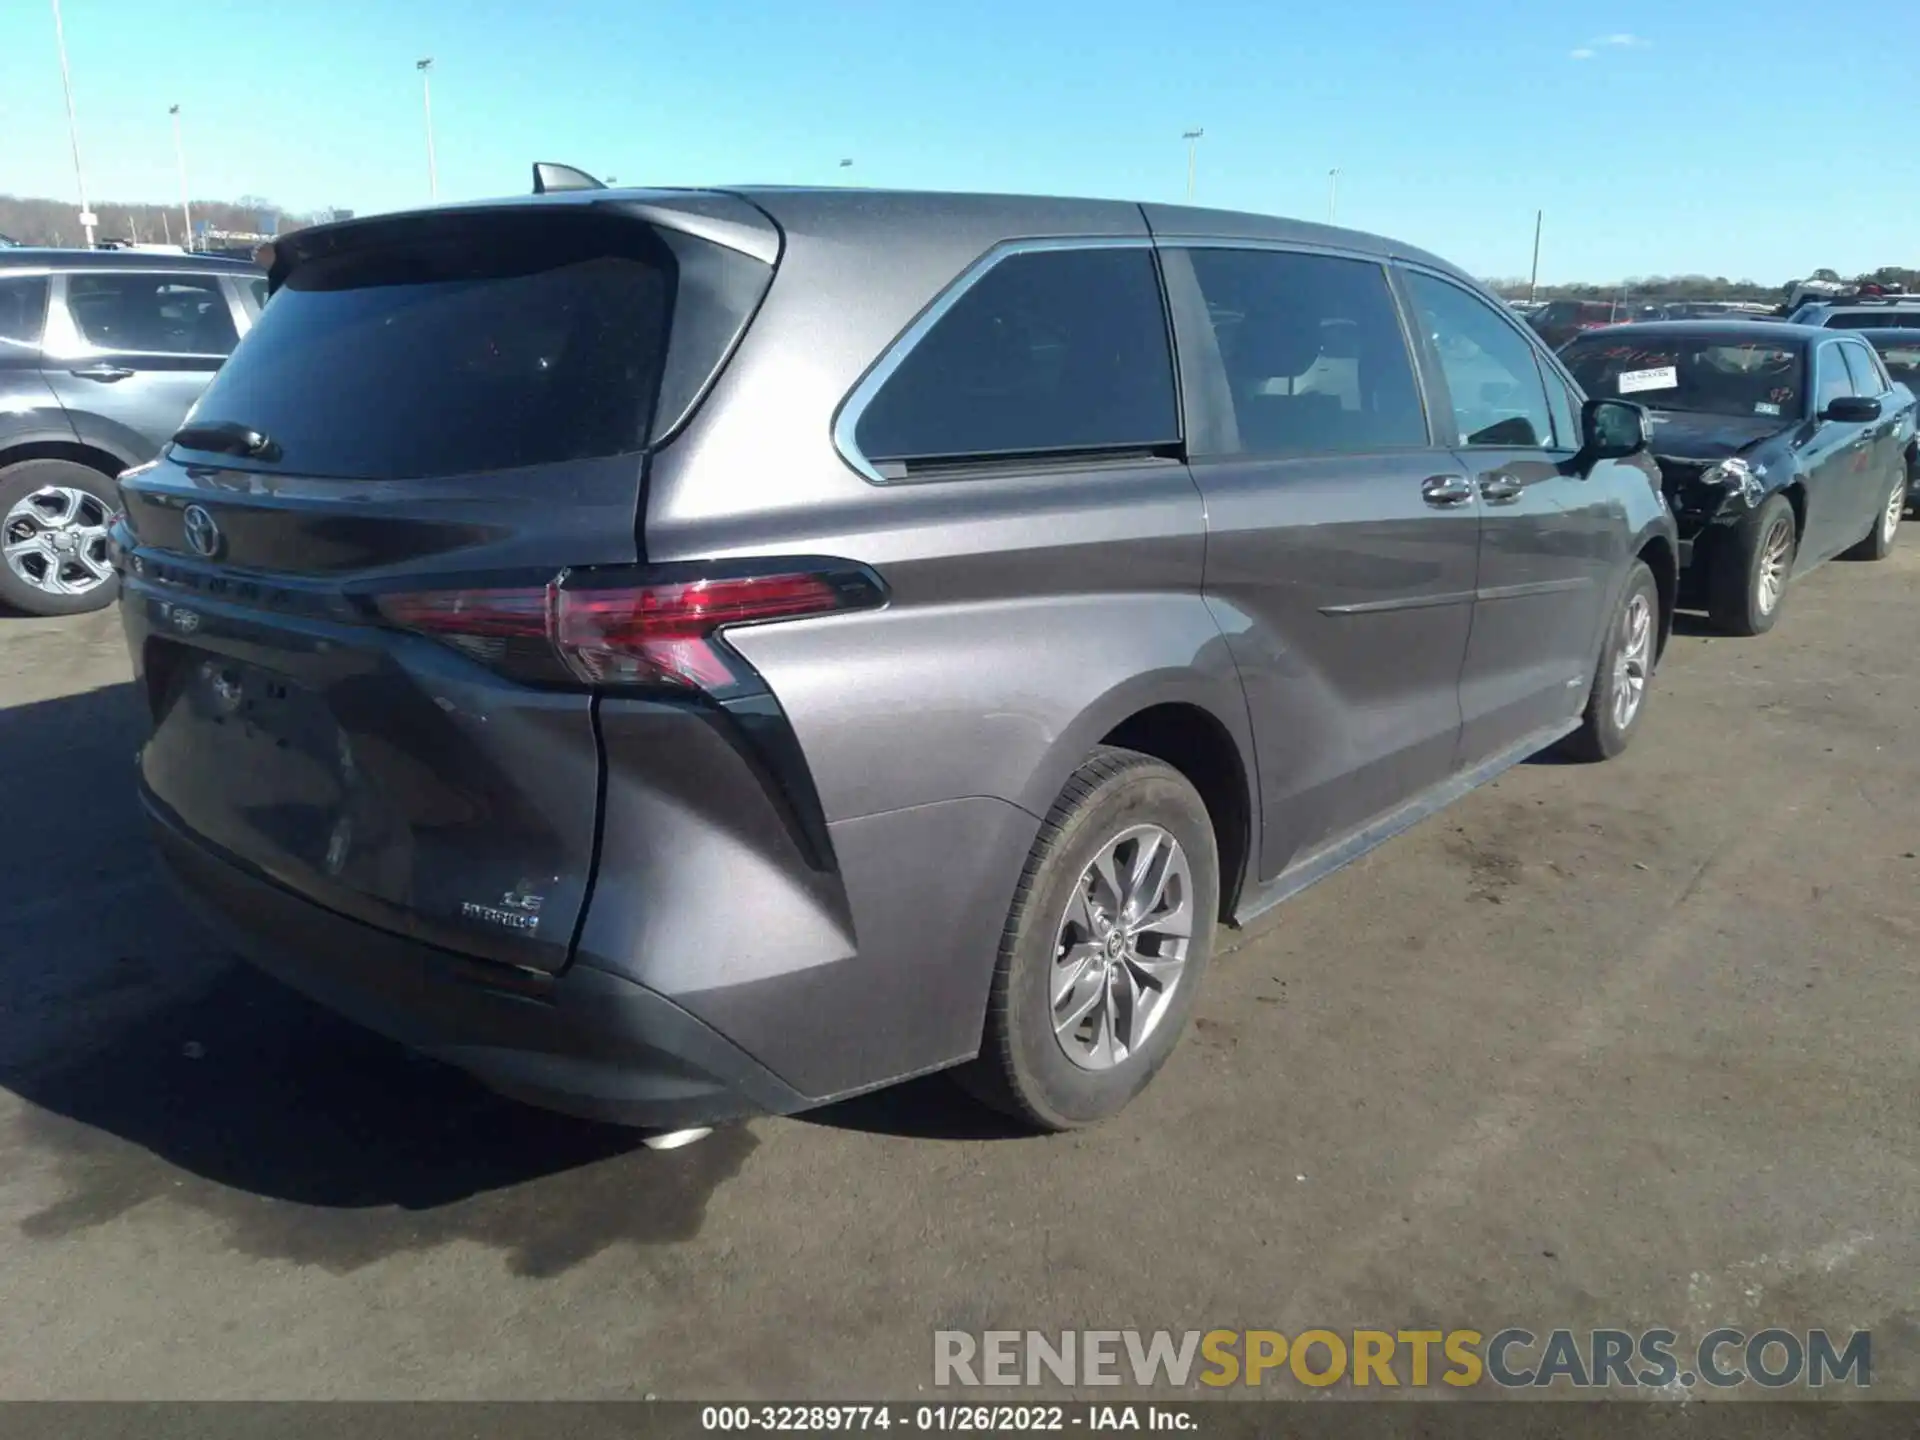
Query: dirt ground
1625,1046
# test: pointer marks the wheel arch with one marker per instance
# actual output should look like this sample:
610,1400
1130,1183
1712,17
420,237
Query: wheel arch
1193,722
1657,553
80,453
1796,492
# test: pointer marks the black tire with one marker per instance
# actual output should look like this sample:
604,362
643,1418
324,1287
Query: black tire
27,478
1880,540
1023,1068
1735,600
1602,733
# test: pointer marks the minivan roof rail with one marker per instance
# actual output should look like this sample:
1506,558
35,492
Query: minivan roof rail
547,176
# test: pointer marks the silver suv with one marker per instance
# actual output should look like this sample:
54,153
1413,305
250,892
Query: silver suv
678,654
102,353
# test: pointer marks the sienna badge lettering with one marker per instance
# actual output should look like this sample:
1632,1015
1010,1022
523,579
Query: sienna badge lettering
517,909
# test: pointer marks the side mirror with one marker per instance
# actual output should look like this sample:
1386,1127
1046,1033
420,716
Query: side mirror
1613,430
1853,410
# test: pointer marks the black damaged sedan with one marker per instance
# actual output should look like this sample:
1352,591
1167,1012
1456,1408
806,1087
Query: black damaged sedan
1780,446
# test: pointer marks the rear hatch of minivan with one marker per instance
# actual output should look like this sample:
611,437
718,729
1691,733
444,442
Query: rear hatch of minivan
344,578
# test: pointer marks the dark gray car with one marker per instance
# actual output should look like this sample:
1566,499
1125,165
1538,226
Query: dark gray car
677,654
102,353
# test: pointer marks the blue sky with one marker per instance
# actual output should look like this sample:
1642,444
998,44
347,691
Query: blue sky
1657,137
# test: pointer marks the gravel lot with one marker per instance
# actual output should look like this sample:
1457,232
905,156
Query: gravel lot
1628,1045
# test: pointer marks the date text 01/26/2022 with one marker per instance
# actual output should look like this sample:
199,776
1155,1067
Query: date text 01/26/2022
961,1418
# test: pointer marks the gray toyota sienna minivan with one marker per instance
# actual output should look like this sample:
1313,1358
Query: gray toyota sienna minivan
678,654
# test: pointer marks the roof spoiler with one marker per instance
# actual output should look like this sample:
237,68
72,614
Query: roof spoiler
548,177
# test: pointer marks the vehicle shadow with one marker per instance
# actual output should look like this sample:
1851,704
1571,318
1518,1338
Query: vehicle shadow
157,1069
933,1107
1695,624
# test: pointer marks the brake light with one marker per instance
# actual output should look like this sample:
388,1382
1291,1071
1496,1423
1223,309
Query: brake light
586,628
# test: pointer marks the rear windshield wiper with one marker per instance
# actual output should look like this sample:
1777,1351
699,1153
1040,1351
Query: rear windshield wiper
228,437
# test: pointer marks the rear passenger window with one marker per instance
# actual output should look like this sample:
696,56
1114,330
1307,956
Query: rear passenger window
151,314
1314,355
1492,374
23,310
1055,350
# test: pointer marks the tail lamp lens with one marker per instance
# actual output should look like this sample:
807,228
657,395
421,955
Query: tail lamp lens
663,633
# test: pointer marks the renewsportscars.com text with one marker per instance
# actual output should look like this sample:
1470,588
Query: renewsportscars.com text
1510,1358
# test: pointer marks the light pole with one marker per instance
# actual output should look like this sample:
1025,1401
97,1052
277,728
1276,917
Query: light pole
180,160
1533,283
73,128
425,67
1333,195
1192,137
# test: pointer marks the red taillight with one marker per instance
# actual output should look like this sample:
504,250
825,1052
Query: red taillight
607,634
664,632
490,613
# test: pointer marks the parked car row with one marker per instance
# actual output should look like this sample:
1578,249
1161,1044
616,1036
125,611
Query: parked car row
1888,312
1781,446
680,654
102,353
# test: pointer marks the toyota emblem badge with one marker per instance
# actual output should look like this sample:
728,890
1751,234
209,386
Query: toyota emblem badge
203,535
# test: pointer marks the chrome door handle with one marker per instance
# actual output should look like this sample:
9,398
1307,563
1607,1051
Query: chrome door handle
1497,489
1446,491
107,373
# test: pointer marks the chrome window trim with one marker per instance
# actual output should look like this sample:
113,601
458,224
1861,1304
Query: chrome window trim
1291,247
855,405
1813,371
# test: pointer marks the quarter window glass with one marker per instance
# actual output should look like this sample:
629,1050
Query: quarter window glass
1860,365
151,314
1314,354
1832,381
1492,375
1566,414
23,310
1056,350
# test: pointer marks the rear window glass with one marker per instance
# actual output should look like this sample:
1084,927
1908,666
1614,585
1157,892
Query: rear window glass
1887,319
1713,377
1056,350
1902,358
452,346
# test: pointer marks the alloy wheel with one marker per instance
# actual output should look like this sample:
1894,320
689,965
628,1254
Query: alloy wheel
1121,947
1634,660
1776,559
1896,507
55,539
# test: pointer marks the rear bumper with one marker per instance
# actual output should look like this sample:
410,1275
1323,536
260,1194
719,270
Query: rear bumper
585,1042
